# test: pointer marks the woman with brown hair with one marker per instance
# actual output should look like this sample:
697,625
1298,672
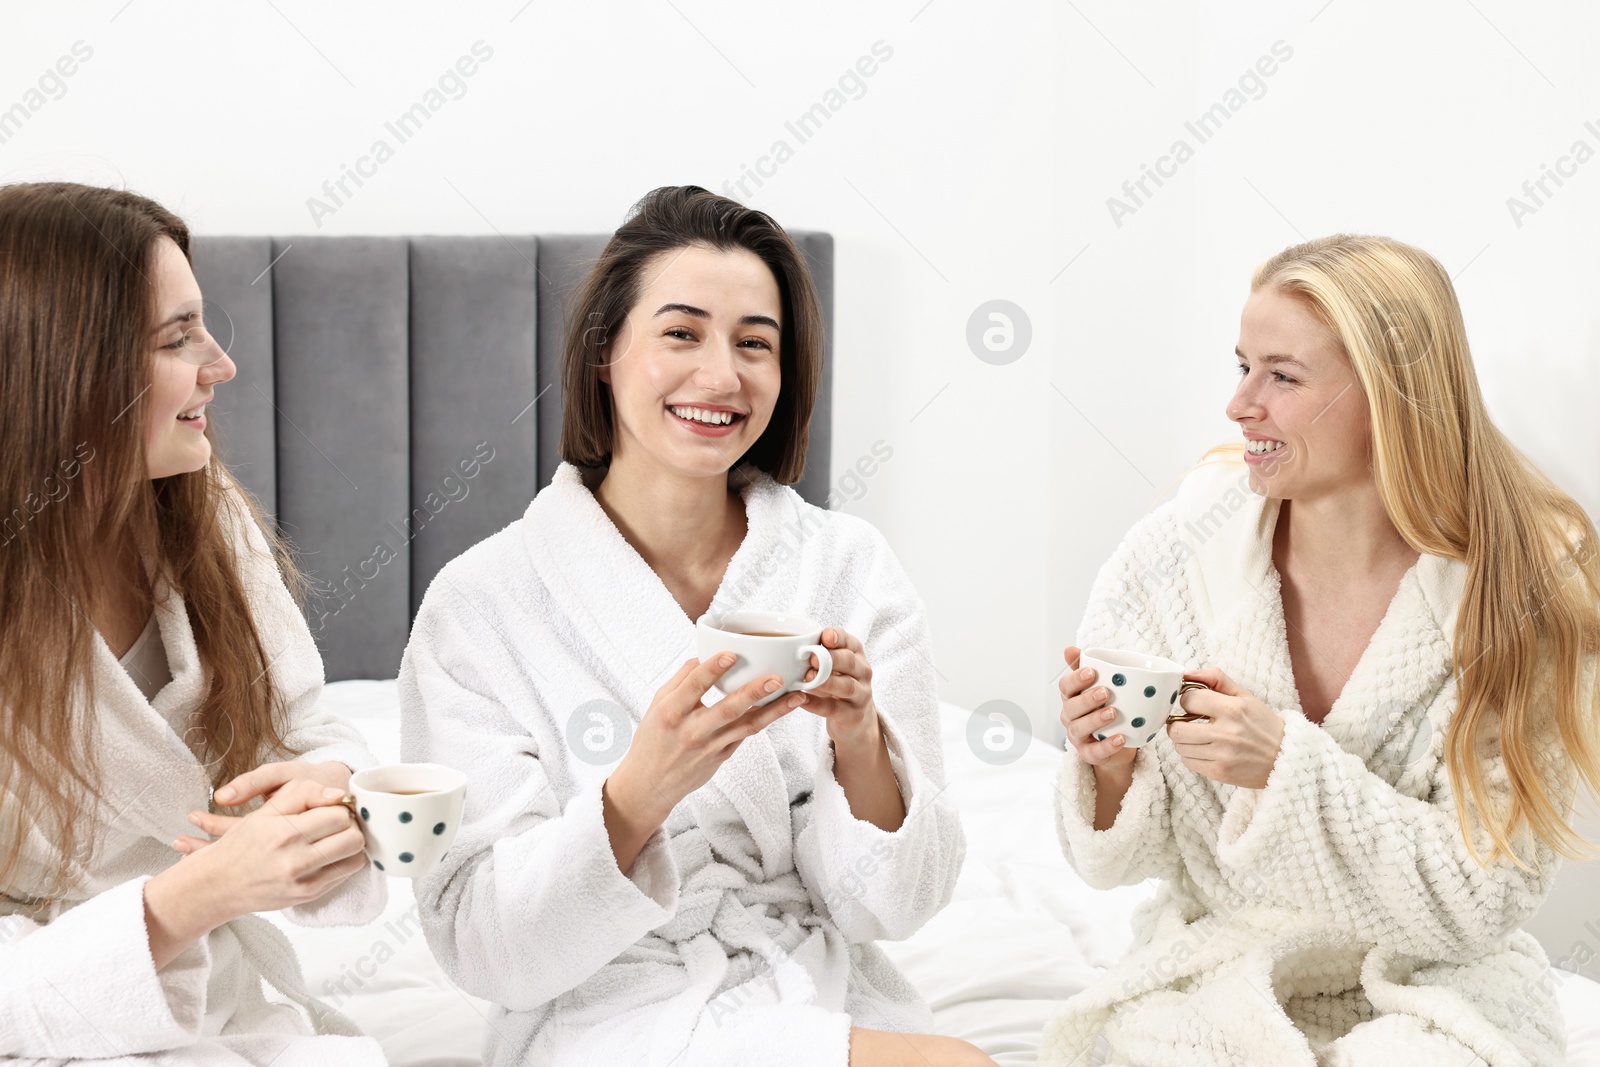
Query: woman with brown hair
645,874
1397,617
149,651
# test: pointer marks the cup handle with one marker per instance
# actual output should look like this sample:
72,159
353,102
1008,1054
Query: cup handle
1184,716
824,665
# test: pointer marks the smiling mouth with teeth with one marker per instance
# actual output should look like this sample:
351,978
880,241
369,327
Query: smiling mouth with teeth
1261,448
193,413
710,418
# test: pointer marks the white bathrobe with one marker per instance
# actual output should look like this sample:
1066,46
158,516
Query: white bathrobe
1333,917
77,981
745,932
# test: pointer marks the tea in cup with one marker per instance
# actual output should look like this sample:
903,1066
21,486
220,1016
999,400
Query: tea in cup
408,813
765,642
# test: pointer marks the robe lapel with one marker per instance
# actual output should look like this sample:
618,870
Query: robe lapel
151,778
1233,585
613,600
1238,600
1384,703
636,632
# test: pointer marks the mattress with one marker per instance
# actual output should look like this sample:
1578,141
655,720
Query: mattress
1021,935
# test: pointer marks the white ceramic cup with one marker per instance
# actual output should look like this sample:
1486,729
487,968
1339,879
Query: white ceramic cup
788,656
1144,692
409,814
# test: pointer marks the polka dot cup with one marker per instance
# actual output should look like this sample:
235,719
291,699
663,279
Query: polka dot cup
409,814
1144,692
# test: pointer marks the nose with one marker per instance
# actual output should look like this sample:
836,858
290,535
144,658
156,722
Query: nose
220,370
1245,404
718,371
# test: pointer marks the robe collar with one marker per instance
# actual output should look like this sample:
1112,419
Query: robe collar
1226,533
624,613
150,778
614,600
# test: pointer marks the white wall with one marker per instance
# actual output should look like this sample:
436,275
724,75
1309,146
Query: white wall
976,166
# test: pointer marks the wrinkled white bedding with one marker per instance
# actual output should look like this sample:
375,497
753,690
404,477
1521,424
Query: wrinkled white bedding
1022,934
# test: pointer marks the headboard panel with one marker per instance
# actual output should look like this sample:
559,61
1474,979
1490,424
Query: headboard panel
398,399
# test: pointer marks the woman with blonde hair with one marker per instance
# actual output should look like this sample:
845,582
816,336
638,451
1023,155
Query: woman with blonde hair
1396,617
149,650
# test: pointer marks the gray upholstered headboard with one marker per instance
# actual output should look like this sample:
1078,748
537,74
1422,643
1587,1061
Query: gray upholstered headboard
398,399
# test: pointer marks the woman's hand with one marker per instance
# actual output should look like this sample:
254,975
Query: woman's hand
268,778
265,782
291,850
845,699
860,751
681,742
1239,744
1086,708
678,746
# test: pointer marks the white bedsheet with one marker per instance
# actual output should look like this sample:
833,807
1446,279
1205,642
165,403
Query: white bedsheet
1022,934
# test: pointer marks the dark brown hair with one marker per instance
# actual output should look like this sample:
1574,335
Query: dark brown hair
670,218
77,309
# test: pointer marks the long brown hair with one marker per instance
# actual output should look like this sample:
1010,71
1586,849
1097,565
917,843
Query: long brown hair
1528,626
666,219
77,308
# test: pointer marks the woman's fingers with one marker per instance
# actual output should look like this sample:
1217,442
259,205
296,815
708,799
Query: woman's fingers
320,824
755,720
348,866
1093,714
188,844
1076,681
1216,680
835,640
847,663
341,845
1083,711
215,825
1100,751
303,795
263,781
698,682
1206,702
744,698
1190,734
672,684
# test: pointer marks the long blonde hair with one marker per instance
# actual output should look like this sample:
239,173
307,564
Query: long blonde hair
1529,620
76,311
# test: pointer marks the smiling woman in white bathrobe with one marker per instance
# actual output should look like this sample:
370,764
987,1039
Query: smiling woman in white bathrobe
149,650
646,874
1396,616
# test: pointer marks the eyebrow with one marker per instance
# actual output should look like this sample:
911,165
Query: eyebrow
748,320
1272,357
182,316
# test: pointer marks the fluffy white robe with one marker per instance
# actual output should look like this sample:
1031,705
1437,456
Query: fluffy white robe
77,981
745,932
1334,916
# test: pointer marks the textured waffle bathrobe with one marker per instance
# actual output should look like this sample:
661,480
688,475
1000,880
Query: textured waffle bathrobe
1334,916
745,931
76,977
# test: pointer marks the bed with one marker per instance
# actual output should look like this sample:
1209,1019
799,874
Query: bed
370,368
1022,934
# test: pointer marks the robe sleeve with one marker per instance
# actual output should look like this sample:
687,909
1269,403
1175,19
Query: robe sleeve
1139,844
1389,868
878,884
310,731
85,986
528,902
